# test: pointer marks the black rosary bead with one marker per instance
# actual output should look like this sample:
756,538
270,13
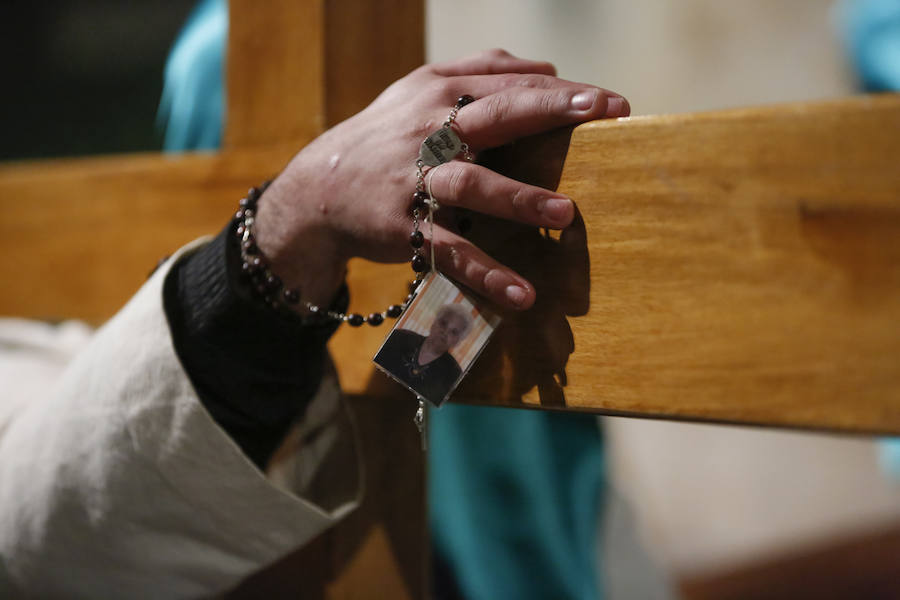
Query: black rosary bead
249,246
375,319
419,264
463,100
356,319
416,239
291,296
246,202
394,311
420,200
273,282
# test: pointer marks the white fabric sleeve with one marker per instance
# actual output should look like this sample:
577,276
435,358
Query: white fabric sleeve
120,485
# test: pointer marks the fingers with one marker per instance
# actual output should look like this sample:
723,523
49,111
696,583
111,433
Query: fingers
516,112
516,98
477,188
481,86
489,62
462,261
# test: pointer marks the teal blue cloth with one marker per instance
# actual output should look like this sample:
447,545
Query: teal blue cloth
192,108
514,501
872,32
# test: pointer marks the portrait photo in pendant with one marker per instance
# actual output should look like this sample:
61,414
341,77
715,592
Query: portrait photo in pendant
437,339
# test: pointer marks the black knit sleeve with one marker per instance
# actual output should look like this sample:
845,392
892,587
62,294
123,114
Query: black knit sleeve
255,370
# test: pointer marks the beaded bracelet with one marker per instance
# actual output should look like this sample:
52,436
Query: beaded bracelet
441,146
269,286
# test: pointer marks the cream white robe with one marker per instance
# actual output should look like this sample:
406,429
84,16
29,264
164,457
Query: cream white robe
116,483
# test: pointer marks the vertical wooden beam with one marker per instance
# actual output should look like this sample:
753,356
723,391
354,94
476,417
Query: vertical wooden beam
295,68
368,45
275,72
298,67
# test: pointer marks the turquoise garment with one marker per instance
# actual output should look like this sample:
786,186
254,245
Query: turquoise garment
192,108
872,31
514,501
515,495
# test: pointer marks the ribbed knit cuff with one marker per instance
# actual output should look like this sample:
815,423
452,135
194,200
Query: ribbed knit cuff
254,369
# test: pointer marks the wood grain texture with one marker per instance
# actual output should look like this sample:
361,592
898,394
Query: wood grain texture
81,235
738,266
744,266
275,72
297,68
368,45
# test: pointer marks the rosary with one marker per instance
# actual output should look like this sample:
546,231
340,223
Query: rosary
436,314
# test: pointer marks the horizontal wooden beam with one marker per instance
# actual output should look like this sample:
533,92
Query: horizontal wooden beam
741,266
738,266
81,235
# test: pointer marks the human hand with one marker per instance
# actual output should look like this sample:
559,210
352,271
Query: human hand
349,192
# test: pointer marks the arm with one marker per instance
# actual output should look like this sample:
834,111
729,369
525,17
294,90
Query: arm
124,481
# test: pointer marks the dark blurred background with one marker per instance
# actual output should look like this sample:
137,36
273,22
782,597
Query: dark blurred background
83,77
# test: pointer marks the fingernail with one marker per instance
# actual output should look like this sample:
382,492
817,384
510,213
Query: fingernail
515,294
617,107
584,100
556,209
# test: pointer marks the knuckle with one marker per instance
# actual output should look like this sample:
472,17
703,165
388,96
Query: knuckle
507,80
496,107
548,104
426,69
534,80
548,67
519,200
487,276
479,275
456,257
453,256
459,181
496,53
439,89
421,130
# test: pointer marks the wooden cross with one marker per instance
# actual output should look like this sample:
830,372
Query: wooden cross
739,266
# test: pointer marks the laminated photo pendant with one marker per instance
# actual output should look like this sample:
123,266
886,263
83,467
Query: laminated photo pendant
437,339
441,146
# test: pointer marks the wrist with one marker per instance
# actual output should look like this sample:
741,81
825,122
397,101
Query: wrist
298,245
